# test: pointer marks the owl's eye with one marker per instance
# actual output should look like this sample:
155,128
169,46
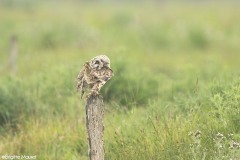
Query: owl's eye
97,62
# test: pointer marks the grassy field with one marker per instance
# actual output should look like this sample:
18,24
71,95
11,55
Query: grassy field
175,93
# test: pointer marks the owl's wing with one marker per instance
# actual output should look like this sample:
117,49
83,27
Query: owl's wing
79,78
83,88
81,82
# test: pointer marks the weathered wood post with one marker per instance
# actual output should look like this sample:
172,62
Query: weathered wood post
13,54
94,124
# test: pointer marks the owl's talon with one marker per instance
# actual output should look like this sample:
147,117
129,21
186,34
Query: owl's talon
88,96
93,93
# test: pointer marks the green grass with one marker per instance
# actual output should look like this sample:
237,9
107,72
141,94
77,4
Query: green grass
176,68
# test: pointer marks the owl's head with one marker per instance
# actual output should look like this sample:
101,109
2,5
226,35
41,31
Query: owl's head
100,61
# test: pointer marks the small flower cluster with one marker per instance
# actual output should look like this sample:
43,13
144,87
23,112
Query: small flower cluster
196,137
220,136
226,146
234,145
196,134
196,146
219,140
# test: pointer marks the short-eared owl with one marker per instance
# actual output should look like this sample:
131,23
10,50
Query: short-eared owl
94,75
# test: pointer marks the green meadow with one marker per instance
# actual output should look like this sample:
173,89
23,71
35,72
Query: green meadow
175,94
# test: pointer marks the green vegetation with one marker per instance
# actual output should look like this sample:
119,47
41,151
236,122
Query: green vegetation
175,93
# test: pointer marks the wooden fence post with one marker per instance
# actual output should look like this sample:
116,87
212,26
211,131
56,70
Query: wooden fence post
13,54
94,124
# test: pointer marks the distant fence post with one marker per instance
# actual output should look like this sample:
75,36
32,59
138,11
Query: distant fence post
94,124
13,54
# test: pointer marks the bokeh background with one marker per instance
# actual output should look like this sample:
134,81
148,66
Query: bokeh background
176,66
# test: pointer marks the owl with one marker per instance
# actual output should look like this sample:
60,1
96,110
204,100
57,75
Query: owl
94,75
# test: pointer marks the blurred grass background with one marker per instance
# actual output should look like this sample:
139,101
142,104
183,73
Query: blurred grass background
176,67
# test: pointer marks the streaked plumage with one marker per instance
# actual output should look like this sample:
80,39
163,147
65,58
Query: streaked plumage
94,75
